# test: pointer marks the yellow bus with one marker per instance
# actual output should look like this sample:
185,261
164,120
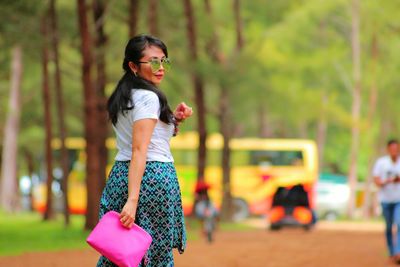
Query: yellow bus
258,167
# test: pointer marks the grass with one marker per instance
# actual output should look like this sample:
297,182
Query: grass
27,232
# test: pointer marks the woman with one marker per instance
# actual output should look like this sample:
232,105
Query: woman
142,184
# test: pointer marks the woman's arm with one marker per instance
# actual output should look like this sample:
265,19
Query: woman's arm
182,112
142,131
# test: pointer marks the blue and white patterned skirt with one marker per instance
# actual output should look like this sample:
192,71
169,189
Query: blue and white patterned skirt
159,209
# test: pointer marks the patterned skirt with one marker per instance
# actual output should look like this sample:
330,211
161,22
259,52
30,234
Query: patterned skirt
159,209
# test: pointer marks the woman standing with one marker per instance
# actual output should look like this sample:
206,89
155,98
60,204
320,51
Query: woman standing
142,184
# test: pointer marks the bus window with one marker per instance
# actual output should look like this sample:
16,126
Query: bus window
277,158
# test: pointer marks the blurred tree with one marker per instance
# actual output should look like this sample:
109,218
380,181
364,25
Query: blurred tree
99,8
93,159
64,161
291,79
48,213
12,93
133,17
224,119
9,185
356,105
153,17
198,85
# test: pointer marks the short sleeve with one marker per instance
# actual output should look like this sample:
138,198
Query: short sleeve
146,105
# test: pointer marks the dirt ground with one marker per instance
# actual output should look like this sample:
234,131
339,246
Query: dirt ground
322,247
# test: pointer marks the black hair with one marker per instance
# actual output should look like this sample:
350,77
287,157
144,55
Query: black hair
392,141
120,100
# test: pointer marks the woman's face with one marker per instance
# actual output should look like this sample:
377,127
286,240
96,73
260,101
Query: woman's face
144,69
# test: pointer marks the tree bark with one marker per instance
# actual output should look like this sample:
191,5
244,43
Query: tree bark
356,105
100,44
48,214
64,162
198,85
133,17
368,208
153,17
239,25
8,185
91,121
225,119
226,131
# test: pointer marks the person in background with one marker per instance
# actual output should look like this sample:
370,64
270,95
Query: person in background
386,174
205,210
143,185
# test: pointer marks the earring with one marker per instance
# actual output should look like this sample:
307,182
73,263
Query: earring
134,73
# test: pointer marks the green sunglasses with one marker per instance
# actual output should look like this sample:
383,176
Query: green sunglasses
155,64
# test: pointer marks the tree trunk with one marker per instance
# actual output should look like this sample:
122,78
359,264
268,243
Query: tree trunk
133,17
8,186
239,25
199,90
31,169
48,214
60,110
226,131
322,130
225,120
373,100
91,121
153,17
356,105
101,42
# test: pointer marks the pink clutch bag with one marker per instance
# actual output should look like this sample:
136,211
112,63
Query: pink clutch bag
124,247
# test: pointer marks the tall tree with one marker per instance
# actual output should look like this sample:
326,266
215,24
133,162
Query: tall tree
48,214
8,186
226,123
356,105
100,60
91,121
198,85
60,108
133,17
223,118
371,117
153,17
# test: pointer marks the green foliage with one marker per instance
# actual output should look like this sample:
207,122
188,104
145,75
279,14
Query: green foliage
296,54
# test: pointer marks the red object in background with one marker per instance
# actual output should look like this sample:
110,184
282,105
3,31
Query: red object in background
201,186
266,177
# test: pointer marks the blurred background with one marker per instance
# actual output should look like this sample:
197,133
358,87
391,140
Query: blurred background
285,93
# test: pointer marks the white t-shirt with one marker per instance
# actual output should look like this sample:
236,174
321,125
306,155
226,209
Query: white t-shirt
145,106
385,168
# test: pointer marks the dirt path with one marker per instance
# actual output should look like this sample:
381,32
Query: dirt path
256,248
